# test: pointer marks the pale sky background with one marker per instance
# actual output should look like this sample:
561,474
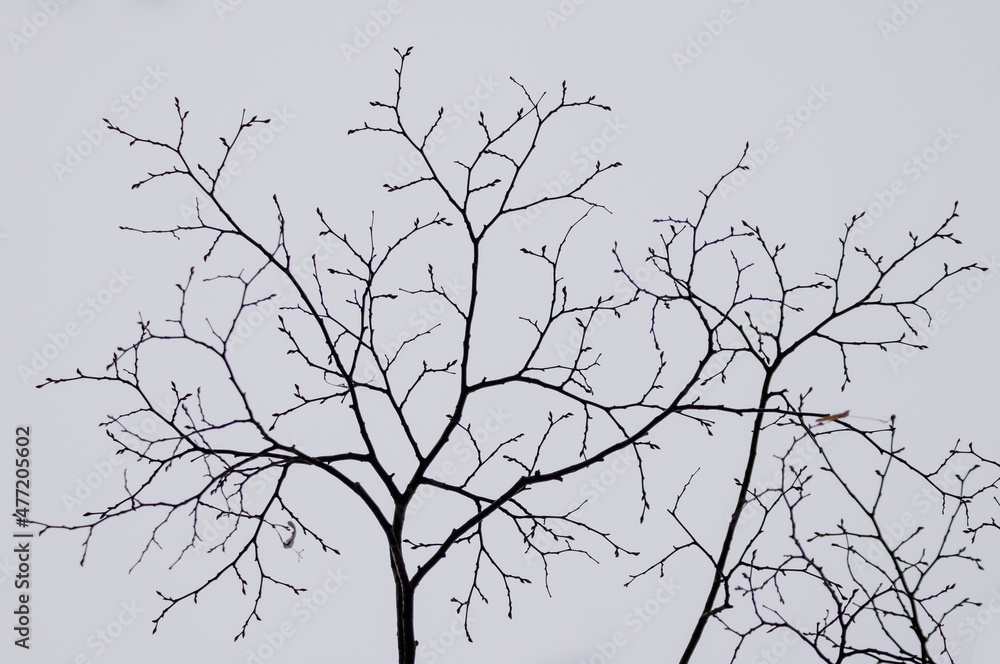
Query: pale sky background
888,82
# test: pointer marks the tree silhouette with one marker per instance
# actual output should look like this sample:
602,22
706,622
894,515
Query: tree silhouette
385,408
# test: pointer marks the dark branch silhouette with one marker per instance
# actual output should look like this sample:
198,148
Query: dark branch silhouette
400,403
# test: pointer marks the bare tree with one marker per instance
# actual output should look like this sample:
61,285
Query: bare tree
870,302
395,405
886,588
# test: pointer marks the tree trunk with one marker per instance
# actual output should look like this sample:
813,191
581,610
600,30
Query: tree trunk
405,641
718,579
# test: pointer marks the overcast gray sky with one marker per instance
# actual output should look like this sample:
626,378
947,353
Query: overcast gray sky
888,107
